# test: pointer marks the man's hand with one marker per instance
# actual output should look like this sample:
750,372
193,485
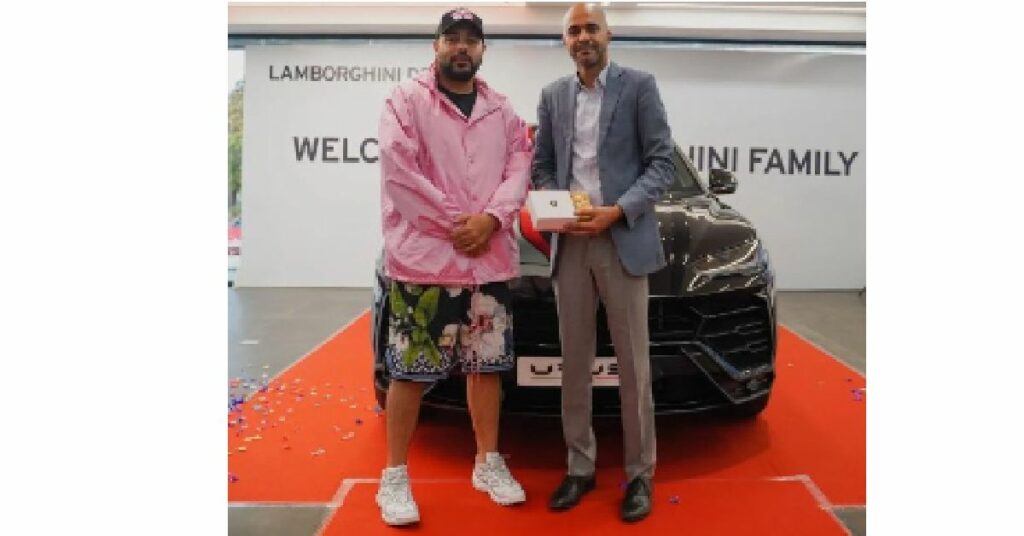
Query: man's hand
593,221
472,233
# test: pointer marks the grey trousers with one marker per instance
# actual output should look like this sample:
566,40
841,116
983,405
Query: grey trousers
588,268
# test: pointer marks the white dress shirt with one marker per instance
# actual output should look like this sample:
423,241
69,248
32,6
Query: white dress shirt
585,175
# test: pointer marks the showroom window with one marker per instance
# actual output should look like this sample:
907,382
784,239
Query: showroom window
236,88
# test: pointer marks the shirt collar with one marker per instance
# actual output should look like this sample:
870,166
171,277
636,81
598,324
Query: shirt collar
602,78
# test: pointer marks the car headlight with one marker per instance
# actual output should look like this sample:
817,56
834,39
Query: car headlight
747,259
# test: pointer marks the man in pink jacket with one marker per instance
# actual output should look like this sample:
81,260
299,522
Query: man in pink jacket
455,164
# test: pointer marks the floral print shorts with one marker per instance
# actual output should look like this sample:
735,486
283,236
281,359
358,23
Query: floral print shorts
433,329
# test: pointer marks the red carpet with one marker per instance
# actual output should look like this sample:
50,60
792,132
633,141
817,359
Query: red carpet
721,472
754,507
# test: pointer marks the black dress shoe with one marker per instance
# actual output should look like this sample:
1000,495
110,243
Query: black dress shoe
570,491
637,502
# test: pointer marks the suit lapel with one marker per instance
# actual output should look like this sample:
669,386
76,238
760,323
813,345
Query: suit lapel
612,89
569,120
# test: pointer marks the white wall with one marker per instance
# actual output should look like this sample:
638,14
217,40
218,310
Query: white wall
318,223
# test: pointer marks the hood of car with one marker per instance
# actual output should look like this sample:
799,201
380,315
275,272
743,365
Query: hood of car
696,226
692,228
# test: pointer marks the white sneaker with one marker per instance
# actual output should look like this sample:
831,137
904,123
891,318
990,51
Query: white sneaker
394,497
493,477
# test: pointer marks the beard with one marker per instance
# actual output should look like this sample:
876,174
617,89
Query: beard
457,74
595,57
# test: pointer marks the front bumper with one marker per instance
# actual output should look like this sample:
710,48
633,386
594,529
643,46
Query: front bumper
706,352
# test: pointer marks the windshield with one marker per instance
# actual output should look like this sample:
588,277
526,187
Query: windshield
685,183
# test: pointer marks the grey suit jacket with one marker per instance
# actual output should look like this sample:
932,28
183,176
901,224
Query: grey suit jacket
634,155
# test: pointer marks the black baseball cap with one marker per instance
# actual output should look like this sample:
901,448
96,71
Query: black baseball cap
460,15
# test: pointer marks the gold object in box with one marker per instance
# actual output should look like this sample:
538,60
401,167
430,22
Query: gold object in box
580,200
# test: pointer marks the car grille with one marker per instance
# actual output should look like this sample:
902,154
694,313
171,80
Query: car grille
535,327
672,394
736,326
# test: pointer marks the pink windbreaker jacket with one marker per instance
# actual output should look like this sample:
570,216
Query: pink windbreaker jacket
435,165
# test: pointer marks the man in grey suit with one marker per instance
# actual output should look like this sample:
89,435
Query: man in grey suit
603,130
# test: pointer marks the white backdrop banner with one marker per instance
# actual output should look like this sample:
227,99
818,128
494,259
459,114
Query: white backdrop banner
791,124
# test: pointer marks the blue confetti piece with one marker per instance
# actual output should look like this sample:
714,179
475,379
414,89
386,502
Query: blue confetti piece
674,499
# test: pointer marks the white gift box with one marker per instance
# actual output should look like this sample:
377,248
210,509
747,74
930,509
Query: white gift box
550,210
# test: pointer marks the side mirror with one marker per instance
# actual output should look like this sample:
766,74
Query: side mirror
722,181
